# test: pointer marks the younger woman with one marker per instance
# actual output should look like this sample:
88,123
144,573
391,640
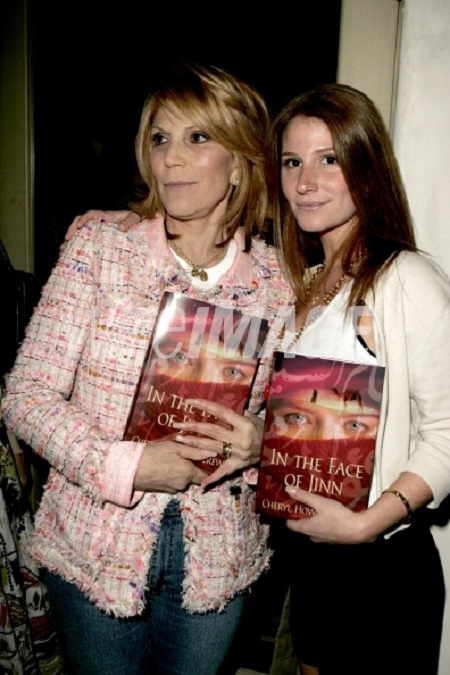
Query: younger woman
367,589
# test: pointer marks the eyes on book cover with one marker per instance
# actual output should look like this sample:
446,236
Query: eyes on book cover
320,432
198,350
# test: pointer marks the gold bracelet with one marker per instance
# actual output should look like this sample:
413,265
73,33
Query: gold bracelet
405,503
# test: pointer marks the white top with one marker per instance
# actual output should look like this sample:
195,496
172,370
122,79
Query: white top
333,334
214,273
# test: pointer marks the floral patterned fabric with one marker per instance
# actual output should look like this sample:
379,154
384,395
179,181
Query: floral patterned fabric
28,643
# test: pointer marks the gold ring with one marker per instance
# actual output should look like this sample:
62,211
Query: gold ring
227,450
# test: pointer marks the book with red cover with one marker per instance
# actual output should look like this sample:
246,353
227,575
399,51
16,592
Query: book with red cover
320,432
198,350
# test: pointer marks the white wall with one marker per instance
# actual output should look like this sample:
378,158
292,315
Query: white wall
368,50
422,121
422,144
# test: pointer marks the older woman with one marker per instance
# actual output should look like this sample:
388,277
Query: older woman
146,570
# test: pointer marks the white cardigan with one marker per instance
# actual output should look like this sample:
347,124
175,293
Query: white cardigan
411,310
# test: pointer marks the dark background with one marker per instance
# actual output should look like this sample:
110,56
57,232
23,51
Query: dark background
93,67
94,64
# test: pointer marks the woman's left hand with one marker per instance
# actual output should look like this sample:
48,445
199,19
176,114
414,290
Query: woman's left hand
241,441
332,523
125,220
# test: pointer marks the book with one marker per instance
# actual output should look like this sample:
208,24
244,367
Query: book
198,350
320,433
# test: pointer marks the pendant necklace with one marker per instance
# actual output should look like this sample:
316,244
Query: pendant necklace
198,270
315,311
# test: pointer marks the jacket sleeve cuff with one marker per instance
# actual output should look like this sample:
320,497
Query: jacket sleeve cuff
118,473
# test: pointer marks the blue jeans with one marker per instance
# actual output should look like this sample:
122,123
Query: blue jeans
165,640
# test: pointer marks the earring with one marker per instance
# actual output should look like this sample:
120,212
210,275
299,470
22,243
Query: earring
235,181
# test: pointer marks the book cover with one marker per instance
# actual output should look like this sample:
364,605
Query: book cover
320,432
198,350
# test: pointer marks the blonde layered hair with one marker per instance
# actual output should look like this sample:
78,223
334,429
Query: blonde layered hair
232,113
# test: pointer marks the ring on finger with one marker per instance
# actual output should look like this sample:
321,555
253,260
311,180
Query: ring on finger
227,450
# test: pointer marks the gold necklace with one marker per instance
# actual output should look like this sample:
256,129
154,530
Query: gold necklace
198,270
328,297
316,311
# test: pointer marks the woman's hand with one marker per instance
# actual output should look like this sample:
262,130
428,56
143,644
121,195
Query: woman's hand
125,220
337,524
167,467
332,523
243,438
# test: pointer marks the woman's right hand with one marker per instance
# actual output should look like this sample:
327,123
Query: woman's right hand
165,467
125,220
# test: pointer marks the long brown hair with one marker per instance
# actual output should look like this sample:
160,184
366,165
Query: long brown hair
235,115
365,154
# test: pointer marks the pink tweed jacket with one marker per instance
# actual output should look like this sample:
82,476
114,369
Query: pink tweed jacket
69,395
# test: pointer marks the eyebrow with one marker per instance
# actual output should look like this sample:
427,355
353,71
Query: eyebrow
319,150
193,127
